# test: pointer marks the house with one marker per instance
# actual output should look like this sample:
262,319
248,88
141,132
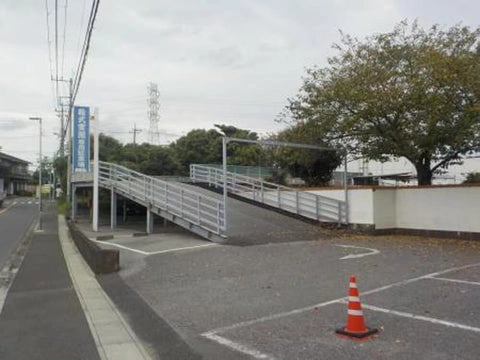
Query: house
14,176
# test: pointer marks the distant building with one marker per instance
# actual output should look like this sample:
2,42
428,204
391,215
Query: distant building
14,176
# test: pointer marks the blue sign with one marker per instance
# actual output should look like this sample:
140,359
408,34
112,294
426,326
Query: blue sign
81,139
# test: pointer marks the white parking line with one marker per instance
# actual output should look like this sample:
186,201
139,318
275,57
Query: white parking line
456,281
421,317
152,252
356,256
213,334
181,248
238,347
120,246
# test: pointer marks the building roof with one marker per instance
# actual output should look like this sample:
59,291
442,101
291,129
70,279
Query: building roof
13,158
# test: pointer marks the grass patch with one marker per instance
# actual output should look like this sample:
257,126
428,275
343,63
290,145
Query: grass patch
63,206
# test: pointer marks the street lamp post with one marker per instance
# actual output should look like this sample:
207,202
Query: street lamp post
39,119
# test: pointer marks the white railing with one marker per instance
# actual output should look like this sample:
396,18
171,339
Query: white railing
199,210
302,203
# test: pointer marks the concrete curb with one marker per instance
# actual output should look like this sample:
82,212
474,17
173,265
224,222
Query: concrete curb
113,336
101,261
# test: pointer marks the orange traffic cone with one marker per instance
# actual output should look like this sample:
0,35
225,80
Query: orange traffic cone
355,324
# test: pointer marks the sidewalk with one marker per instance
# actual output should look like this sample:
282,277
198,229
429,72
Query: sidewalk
42,317
55,308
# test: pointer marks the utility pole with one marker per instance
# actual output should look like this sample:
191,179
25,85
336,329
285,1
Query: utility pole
39,119
62,130
96,128
69,136
134,132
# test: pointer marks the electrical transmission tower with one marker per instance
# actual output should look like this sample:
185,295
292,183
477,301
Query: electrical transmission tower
153,116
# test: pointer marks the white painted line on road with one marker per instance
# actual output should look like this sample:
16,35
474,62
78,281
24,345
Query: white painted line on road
8,207
272,317
146,253
421,317
326,303
120,246
180,248
356,256
456,281
236,346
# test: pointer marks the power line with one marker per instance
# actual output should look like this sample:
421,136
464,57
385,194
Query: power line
64,35
50,54
81,24
56,51
86,47
82,60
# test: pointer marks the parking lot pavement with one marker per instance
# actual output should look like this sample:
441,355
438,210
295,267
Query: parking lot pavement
284,300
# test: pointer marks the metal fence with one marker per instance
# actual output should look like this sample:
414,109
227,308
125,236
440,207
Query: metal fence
252,171
302,203
198,210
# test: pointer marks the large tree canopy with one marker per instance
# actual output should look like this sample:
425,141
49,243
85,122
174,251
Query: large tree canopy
409,93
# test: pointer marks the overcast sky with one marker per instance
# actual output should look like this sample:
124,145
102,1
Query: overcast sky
232,62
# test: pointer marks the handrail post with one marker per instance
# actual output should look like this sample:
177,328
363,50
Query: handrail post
199,199
296,202
317,207
261,192
218,217
278,196
181,202
166,195
224,165
145,188
253,190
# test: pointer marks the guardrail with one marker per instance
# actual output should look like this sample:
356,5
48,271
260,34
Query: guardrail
199,213
302,203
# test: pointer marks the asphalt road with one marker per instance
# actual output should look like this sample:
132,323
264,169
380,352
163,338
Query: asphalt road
16,216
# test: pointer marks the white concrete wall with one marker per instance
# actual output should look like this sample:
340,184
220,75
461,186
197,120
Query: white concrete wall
360,210
451,208
384,208
440,208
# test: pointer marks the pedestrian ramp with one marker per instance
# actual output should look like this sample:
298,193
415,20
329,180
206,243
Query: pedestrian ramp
291,200
196,212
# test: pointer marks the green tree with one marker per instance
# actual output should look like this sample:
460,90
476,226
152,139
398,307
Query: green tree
199,146
47,169
241,153
472,178
408,93
314,166
161,161
110,149
60,168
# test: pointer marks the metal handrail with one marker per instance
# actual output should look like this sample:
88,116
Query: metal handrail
302,203
197,209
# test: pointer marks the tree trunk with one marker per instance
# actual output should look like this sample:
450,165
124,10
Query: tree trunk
424,173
